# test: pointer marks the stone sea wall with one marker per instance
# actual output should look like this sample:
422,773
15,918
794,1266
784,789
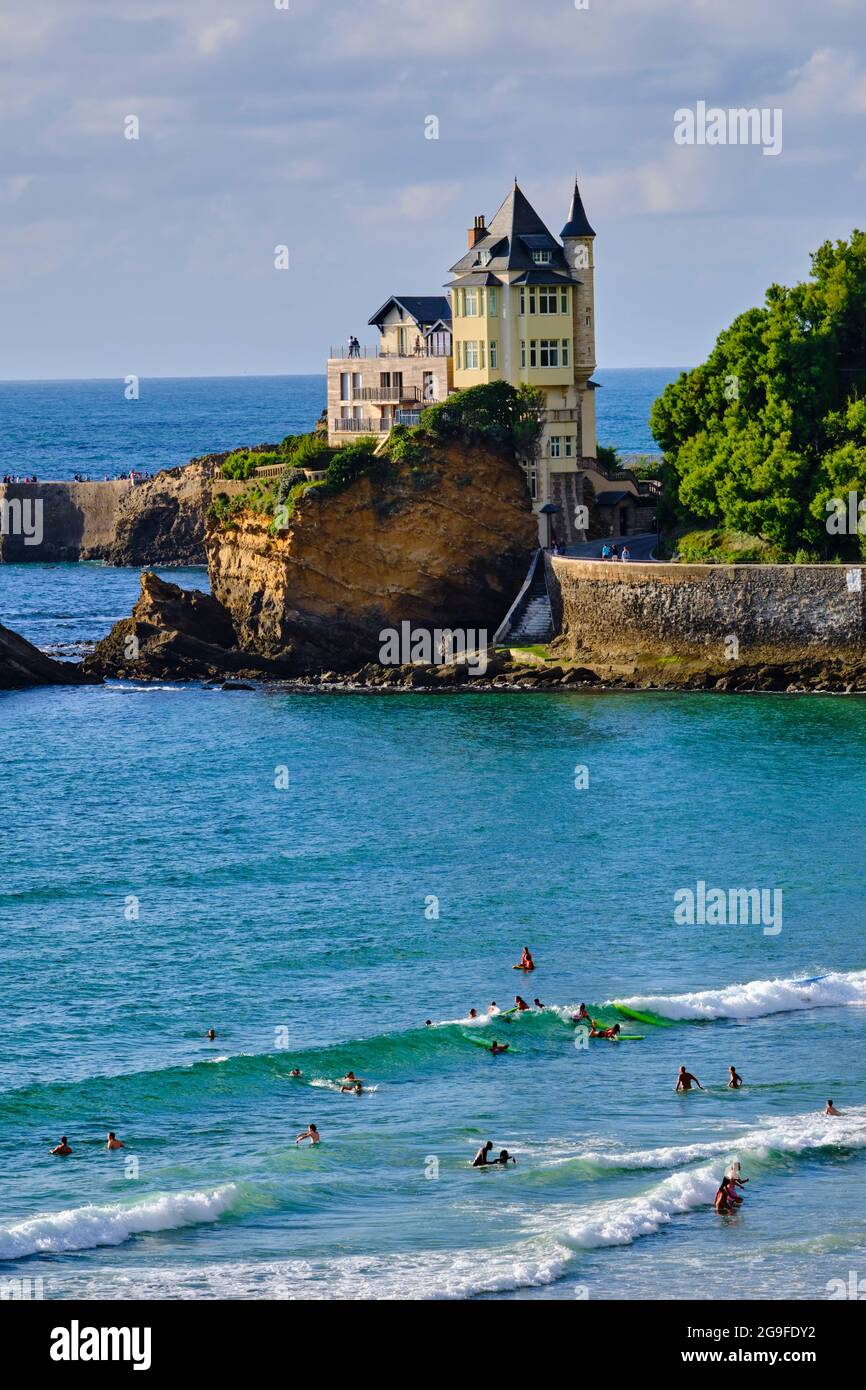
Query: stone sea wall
160,521
712,614
59,521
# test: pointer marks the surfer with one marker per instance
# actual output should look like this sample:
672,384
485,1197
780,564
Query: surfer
473,1013
726,1200
296,1071
537,1003
685,1079
113,1141
310,1133
496,1047
582,1016
350,1079
356,1088
829,1109
733,1176
504,1158
480,1159
735,1081
492,1008
521,1005
210,1034
612,1033
428,1023
526,962
62,1148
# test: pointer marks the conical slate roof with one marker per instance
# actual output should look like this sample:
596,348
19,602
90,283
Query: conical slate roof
578,222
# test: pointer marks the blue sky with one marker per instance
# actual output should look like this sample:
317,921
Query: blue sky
306,127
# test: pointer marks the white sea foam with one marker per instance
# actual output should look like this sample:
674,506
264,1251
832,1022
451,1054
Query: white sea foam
792,1134
327,1084
756,999
82,1228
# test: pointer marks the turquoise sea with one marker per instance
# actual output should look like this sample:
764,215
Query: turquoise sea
317,875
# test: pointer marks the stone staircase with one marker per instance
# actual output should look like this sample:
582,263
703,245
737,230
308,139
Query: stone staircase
529,621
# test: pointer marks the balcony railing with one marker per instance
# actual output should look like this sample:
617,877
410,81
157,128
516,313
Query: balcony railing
347,425
341,353
392,393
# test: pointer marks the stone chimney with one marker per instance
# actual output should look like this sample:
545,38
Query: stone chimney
477,232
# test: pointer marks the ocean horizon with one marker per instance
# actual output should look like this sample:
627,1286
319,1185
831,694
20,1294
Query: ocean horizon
56,429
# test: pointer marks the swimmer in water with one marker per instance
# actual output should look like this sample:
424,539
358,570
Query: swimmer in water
735,1081
310,1133
210,1034
734,1179
296,1071
113,1141
521,1005
685,1079
429,1023
537,1004
496,1047
62,1148
612,1033
504,1158
473,1013
356,1088
581,1016
492,1008
829,1109
480,1160
350,1079
526,962
725,1200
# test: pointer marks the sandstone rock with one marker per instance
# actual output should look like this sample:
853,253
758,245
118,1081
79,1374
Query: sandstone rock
450,551
162,521
22,665
185,635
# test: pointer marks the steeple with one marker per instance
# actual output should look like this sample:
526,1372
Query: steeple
578,222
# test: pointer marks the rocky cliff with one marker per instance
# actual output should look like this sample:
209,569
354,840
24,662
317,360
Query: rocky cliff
22,665
181,634
444,543
162,521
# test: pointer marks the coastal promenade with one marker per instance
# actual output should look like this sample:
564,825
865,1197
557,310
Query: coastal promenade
642,547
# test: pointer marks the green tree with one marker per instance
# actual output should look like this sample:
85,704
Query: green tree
757,438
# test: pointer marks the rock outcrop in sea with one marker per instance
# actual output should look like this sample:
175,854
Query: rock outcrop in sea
23,665
183,634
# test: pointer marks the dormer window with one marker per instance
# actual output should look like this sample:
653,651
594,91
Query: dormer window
541,257
484,258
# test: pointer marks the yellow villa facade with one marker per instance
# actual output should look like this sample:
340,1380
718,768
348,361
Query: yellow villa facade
523,310
520,308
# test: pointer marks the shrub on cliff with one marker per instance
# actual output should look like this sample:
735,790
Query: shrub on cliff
496,413
309,451
241,465
352,462
772,426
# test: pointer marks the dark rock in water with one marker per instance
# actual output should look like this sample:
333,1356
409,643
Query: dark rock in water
22,665
183,634
236,685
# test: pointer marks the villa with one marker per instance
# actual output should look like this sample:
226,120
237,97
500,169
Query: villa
521,308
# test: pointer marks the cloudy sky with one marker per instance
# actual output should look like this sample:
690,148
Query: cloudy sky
262,126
